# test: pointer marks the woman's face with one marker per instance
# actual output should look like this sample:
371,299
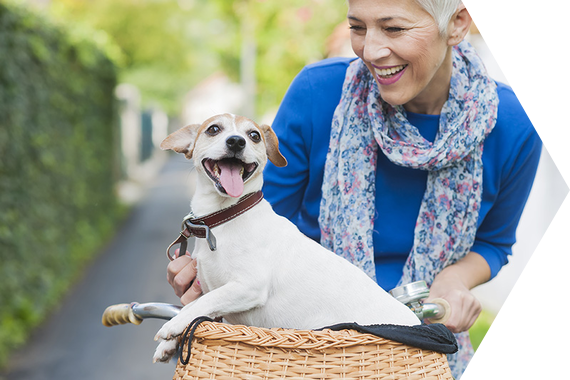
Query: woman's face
401,45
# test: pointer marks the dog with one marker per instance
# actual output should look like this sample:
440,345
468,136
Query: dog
263,272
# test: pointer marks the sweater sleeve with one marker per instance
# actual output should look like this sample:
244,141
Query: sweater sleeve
303,125
284,187
515,149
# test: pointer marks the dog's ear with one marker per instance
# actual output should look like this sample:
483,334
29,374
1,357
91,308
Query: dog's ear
182,141
272,146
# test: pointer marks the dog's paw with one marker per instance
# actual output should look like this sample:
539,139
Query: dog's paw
171,329
165,351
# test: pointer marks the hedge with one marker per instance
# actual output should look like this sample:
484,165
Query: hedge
57,164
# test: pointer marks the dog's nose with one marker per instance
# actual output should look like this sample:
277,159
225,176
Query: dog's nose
235,143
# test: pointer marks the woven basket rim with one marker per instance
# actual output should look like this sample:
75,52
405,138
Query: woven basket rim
289,338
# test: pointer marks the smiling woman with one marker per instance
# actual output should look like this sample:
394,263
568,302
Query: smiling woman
403,47
416,181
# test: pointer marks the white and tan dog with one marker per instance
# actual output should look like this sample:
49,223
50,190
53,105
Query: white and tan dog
264,272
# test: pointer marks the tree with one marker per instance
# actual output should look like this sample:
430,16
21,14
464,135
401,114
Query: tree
170,45
287,36
164,54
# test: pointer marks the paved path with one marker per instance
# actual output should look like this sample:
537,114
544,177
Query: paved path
73,344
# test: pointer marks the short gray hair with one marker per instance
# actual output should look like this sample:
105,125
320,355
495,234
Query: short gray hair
441,11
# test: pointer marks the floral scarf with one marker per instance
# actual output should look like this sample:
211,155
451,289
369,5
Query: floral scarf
362,123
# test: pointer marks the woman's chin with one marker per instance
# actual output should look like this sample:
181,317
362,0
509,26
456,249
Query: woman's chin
393,99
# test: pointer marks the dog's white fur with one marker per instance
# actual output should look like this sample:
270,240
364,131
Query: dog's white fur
265,272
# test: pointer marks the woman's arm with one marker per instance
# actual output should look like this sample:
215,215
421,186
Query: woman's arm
303,126
511,156
284,187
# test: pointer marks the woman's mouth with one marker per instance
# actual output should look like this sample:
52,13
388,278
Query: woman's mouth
389,75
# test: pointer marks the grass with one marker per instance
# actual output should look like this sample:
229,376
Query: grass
479,329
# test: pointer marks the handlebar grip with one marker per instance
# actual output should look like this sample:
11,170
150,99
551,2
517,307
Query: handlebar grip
444,309
120,314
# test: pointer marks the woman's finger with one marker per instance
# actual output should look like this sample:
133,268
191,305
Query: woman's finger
181,273
175,266
192,293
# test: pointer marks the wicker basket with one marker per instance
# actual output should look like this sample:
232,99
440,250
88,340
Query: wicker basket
221,351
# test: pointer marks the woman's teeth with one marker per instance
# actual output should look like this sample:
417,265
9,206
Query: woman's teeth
389,72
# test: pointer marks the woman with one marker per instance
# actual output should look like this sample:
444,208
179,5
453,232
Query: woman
420,172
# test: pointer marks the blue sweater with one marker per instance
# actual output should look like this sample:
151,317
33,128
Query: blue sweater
510,158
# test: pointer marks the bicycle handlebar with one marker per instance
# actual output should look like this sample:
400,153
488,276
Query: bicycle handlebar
436,312
135,312
413,294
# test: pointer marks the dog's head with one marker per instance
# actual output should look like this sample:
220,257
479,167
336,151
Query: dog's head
230,150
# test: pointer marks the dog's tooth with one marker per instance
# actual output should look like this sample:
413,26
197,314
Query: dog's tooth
241,171
216,170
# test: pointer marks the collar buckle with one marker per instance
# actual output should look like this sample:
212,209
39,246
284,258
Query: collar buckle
194,230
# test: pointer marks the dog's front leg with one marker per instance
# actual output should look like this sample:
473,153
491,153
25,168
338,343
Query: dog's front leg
233,297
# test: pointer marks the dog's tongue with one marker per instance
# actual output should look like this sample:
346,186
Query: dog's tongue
230,177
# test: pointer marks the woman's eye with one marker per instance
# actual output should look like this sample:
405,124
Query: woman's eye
213,130
394,29
356,28
254,136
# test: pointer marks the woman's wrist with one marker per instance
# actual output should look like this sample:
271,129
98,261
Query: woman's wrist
470,271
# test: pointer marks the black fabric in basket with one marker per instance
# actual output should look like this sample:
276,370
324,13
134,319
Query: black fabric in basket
434,337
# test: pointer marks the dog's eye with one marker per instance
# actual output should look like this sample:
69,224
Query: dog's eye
213,130
254,136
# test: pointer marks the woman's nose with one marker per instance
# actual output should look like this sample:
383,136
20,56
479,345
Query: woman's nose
375,48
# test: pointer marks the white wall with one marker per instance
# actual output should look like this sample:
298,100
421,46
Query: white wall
532,291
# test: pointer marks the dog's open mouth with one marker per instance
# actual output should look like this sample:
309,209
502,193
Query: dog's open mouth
229,174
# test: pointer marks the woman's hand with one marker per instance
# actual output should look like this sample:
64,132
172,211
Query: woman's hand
180,273
465,308
454,284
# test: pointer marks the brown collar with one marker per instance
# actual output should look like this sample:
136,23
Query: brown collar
200,227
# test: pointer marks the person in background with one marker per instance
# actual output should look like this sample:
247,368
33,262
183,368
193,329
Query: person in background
409,161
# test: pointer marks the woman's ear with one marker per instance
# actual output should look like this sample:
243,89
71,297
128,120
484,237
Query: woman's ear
458,26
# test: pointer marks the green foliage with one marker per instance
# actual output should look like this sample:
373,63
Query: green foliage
169,46
57,159
164,47
287,36
485,337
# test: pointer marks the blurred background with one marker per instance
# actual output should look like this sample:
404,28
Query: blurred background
88,89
